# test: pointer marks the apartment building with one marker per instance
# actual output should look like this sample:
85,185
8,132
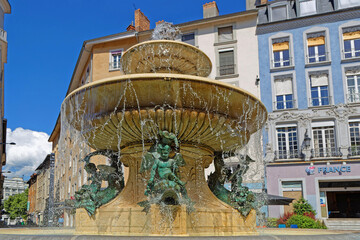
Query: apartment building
229,41
309,56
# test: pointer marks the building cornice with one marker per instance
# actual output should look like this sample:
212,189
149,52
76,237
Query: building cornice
6,6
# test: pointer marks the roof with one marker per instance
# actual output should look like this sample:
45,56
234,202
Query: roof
42,165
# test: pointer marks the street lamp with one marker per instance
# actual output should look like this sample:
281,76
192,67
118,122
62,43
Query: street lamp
307,140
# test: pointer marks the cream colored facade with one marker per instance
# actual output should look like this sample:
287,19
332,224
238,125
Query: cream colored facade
94,63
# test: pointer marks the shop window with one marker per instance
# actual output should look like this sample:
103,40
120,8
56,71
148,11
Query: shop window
324,140
225,34
281,53
291,189
316,48
351,38
307,7
319,90
226,62
284,93
354,127
115,57
188,38
353,86
287,142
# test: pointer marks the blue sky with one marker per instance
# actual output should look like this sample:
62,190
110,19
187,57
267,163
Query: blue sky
44,40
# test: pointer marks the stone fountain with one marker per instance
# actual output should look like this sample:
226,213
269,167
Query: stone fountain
165,121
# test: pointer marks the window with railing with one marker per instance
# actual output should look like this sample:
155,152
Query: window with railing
354,127
353,86
188,38
316,48
281,53
226,62
287,143
324,142
351,37
115,59
284,93
319,90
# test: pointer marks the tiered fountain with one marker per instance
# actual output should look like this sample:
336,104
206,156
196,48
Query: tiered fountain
165,122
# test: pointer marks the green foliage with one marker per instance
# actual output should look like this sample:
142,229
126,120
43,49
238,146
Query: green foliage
271,222
303,206
304,222
16,205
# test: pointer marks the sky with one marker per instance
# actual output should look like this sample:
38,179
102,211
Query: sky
44,42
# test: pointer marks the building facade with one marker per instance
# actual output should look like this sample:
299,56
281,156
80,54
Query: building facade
31,206
5,8
13,186
309,56
229,41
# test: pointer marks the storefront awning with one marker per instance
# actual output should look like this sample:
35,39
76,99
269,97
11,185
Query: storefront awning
278,200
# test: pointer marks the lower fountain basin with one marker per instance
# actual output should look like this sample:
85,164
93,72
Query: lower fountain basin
128,109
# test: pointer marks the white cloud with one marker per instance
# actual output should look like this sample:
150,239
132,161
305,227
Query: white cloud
30,150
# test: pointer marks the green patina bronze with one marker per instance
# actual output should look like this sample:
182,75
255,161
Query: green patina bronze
93,196
164,184
239,197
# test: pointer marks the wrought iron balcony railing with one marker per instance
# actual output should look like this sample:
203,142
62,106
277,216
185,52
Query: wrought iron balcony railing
282,63
287,154
317,58
282,105
326,152
320,101
354,151
115,65
353,97
227,69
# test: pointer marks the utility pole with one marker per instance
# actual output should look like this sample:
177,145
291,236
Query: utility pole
51,191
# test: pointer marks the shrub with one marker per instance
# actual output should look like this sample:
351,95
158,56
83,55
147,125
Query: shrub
304,222
310,215
303,206
271,222
284,218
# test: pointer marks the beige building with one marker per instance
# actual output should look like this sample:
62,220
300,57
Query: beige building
229,41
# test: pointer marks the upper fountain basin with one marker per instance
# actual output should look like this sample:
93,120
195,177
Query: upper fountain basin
166,56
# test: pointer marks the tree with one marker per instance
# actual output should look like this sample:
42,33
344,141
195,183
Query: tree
16,205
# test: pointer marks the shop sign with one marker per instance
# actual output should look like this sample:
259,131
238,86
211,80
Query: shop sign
310,170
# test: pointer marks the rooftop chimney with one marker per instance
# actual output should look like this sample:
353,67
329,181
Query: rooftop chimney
131,27
210,10
158,22
263,2
142,23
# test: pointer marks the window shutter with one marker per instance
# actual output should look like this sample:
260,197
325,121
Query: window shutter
283,86
226,58
280,46
319,80
225,34
316,41
351,35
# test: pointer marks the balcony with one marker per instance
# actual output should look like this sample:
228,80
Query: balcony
331,152
317,58
115,66
284,105
353,97
287,155
3,35
319,101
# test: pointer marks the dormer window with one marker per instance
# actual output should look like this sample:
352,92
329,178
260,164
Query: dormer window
348,3
279,13
307,7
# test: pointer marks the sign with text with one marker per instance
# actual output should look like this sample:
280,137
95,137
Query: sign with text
311,170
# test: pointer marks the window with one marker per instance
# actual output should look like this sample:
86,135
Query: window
348,3
319,90
324,141
316,47
351,37
87,76
188,38
287,142
278,13
284,93
115,57
307,7
353,86
226,62
225,34
354,127
281,53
